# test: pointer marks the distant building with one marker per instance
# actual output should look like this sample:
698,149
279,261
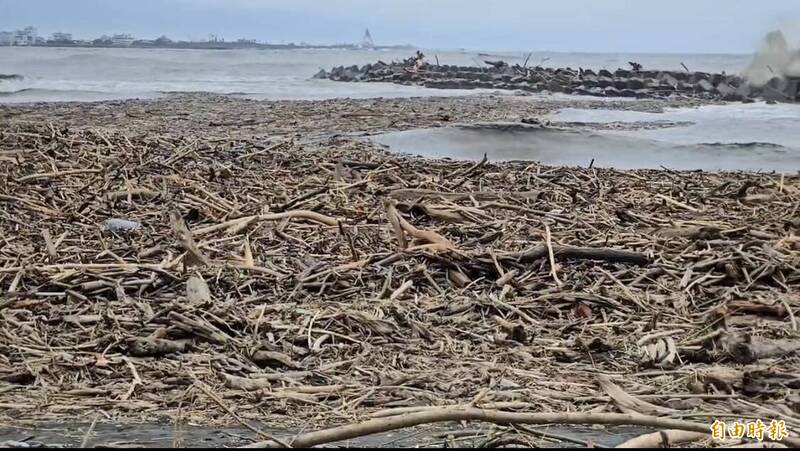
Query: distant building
102,41
122,40
6,38
61,37
25,37
366,41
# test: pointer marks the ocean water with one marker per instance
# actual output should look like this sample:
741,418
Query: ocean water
753,137
745,124
735,136
86,74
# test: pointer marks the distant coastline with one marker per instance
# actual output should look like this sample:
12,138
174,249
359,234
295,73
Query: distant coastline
29,37
222,46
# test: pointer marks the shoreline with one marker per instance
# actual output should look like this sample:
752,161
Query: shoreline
311,279
479,107
218,46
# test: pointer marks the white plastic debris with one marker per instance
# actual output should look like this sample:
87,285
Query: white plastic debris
121,225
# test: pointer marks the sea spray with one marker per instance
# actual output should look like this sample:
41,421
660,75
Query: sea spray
775,58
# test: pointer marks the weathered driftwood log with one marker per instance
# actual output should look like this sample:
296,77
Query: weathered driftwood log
562,252
150,347
663,439
438,415
748,349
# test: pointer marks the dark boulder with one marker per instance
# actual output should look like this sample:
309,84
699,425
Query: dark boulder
652,84
733,97
734,81
580,90
621,73
555,86
776,89
682,76
341,73
725,89
778,83
605,82
605,73
597,92
635,83
668,79
703,86
514,70
698,76
535,78
745,91
793,89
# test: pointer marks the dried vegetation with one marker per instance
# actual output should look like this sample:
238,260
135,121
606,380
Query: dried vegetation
326,281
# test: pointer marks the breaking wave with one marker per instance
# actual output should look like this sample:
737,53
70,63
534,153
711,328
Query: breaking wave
579,147
745,145
775,58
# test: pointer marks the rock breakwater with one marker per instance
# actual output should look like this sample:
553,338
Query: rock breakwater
636,83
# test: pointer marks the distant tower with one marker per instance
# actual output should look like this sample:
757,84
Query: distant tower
366,41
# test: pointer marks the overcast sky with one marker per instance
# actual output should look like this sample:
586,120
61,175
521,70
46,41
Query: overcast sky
671,26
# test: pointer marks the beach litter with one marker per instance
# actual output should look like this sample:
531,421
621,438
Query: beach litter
329,283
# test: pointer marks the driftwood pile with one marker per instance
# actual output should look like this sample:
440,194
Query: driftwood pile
636,83
200,279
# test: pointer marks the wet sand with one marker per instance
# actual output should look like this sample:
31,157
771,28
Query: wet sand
56,435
